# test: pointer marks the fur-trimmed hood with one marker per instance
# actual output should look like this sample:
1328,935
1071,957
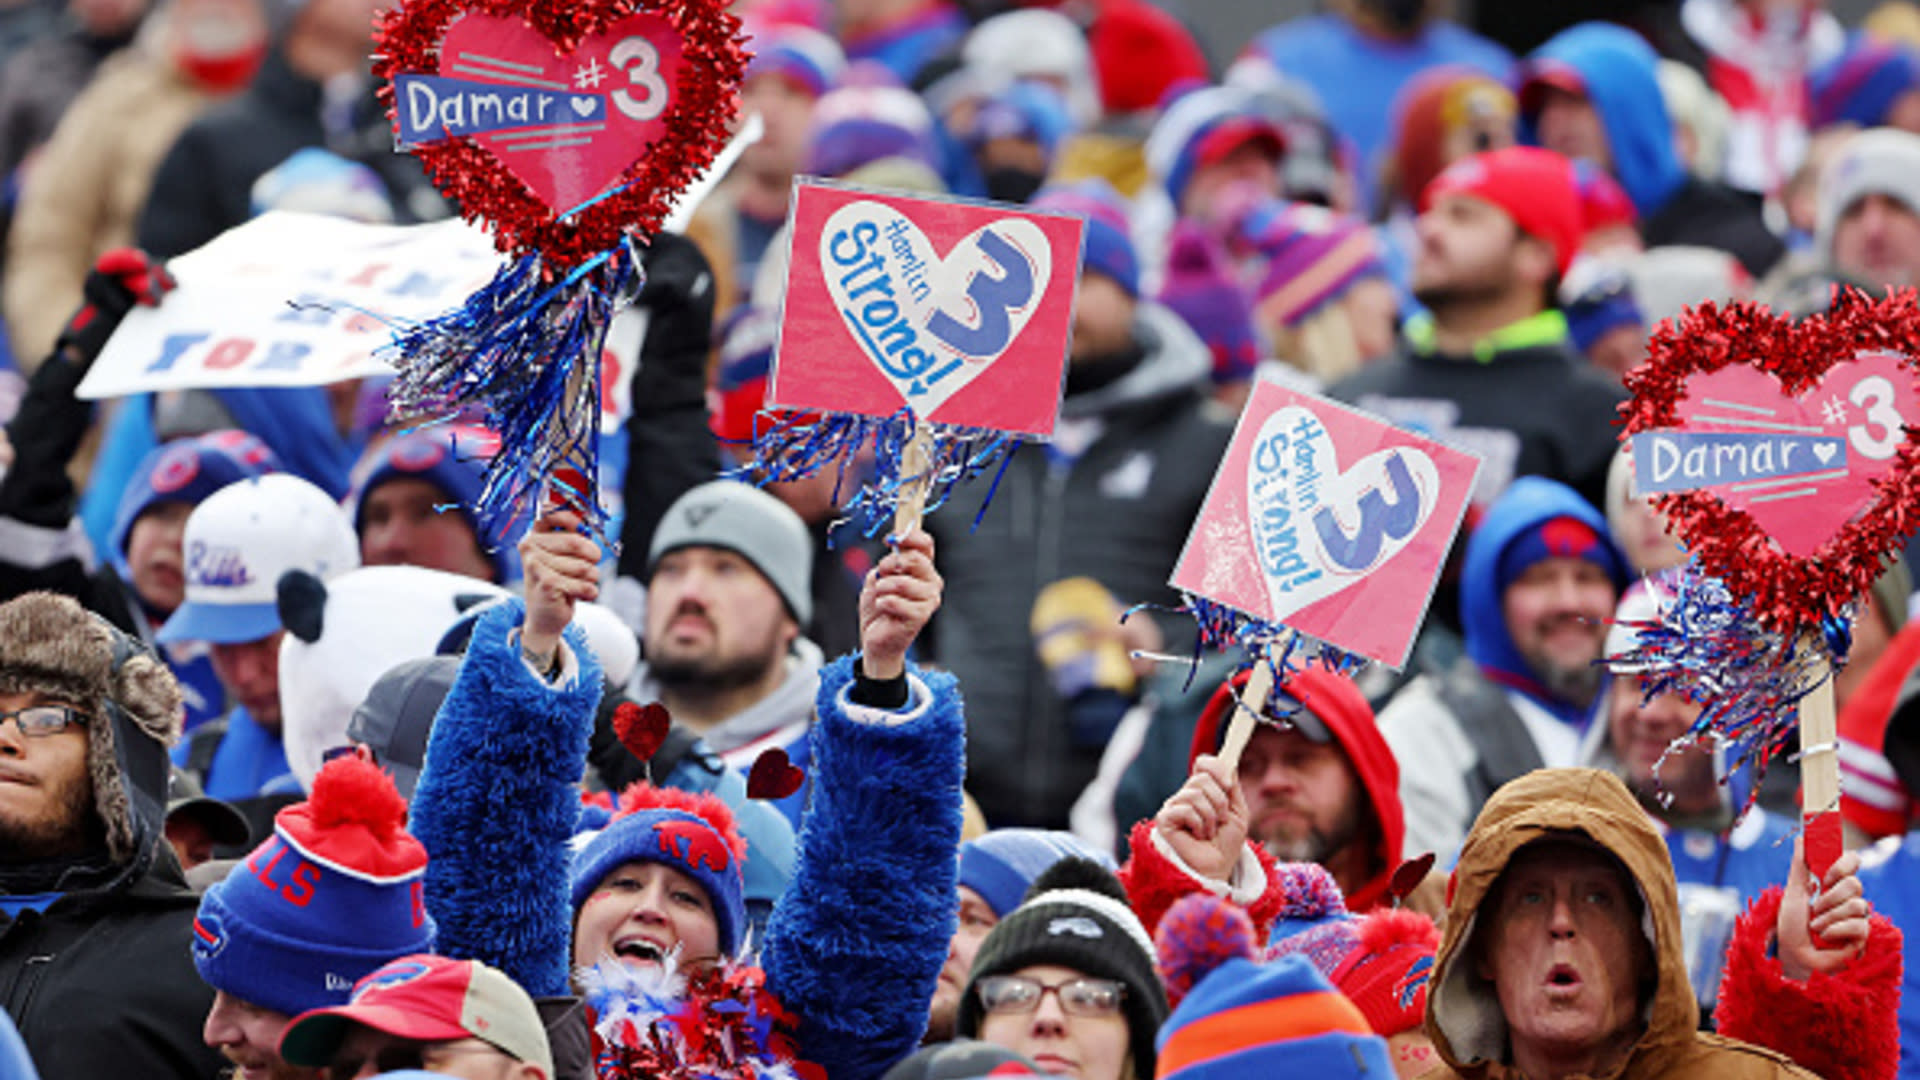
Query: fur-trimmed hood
51,644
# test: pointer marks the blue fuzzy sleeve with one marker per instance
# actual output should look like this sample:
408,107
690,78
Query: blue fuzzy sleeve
497,802
856,942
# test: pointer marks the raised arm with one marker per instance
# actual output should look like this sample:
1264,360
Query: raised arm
856,942
499,794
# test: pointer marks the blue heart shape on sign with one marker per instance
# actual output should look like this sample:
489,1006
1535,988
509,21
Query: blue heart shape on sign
1318,530
931,324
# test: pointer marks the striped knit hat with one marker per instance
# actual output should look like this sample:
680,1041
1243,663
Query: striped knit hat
1277,1019
1313,257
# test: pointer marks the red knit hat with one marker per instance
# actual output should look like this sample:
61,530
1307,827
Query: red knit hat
1139,52
1535,187
1386,976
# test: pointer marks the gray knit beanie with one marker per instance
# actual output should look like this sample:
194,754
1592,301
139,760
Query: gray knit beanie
751,523
1878,162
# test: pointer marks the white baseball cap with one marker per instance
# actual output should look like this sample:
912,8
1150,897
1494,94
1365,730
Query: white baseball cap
240,540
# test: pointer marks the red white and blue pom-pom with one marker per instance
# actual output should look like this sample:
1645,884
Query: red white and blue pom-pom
717,1023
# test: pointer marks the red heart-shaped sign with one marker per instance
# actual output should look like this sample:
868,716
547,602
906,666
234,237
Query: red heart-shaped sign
1799,537
773,776
641,728
561,125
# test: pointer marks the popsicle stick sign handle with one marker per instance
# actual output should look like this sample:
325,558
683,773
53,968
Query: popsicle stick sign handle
916,476
1820,771
1253,705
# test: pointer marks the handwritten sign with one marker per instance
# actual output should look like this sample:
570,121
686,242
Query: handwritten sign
565,124
246,314
1329,521
1802,467
961,310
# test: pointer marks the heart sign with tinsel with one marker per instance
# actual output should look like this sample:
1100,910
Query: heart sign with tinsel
564,124
569,128
1327,522
1784,453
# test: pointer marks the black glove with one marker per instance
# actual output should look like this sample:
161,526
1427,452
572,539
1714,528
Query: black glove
121,278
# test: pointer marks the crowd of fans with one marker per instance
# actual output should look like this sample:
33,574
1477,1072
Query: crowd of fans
304,775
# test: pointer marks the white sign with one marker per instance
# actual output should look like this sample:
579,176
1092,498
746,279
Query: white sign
292,299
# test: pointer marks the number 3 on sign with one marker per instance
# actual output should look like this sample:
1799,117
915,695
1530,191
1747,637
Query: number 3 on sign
641,61
1882,434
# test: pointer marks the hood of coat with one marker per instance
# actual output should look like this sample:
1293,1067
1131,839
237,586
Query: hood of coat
1344,712
1463,1012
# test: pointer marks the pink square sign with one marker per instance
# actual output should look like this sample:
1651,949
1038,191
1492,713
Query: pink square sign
1329,521
961,310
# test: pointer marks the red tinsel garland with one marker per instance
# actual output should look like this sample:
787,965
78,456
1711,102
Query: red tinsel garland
407,39
1788,594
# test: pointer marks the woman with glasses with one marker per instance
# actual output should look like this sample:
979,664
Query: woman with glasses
1067,979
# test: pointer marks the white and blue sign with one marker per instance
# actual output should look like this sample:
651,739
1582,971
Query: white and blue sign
1668,461
435,107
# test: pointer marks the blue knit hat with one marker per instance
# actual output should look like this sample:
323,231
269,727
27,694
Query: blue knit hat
692,833
1564,537
187,471
1022,110
1278,1019
333,894
451,458
1861,85
1108,249
802,55
858,125
1002,865
1203,126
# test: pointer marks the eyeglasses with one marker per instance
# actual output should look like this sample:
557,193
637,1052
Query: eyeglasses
37,721
1018,995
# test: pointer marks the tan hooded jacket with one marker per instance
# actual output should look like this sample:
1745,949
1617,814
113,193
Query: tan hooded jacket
1463,1014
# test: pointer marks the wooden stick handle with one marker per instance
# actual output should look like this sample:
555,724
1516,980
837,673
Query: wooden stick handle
916,476
1253,706
1820,773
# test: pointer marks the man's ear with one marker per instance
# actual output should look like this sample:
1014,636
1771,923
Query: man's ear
1534,262
527,1070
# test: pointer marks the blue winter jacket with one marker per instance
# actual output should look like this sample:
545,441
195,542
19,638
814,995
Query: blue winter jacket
855,944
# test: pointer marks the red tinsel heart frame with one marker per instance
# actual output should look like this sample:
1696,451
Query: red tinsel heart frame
1788,594
407,40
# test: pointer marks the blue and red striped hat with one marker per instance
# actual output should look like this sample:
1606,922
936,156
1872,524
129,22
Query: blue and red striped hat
1276,1019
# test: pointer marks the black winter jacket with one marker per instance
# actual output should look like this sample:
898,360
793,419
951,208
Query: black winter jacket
204,185
1119,514
102,982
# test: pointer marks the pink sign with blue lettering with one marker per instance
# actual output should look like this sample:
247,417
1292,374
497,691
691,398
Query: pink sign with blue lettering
962,311
1329,521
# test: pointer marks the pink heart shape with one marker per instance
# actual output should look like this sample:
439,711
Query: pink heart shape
606,99
1865,402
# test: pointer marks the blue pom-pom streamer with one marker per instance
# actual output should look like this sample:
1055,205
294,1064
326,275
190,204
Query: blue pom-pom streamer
809,444
1222,628
523,350
1708,646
